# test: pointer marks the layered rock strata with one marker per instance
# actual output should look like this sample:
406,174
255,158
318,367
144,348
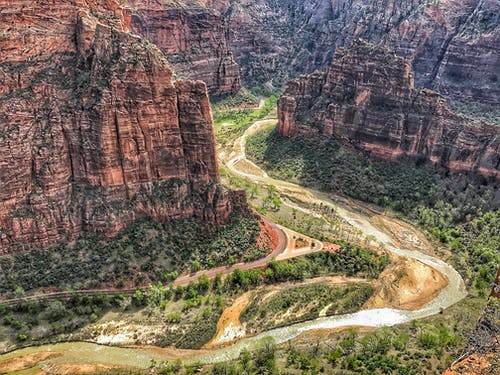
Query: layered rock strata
94,132
454,45
368,97
192,37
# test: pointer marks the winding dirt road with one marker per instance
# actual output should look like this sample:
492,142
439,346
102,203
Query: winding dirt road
449,295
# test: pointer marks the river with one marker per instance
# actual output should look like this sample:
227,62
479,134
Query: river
78,352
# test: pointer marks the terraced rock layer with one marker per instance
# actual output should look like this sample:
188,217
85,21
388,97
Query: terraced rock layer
94,131
192,37
454,45
367,97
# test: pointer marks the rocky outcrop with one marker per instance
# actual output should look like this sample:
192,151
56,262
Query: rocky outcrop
481,354
368,97
94,131
454,45
192,37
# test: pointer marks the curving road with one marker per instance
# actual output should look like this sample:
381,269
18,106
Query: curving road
284,250
449,295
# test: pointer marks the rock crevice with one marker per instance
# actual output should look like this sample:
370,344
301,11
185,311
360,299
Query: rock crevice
94,131
367,97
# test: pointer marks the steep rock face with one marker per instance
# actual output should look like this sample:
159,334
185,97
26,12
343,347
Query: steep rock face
192,37
454,44
367,97
94,133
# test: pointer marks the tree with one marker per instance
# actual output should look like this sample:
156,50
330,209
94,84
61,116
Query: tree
217,283
253,191
273,198
195,266
19,292
203,284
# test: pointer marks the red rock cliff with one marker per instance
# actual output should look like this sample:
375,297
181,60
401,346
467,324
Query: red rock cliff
367,97
454,44
192,37
94,132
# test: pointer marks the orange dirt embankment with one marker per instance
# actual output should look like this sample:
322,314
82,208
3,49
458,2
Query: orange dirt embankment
407,284
267,236
475,364
229,327
25,362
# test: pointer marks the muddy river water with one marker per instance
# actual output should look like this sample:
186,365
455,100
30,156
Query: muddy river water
79,352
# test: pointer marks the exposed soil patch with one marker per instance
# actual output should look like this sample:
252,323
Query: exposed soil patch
403,234
229,327
475,364
248,167
267,236
25,362
407,284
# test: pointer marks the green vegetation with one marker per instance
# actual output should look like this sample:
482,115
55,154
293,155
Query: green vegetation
189,313
460,215
350,260
230,124
479,111
261,361
143,251
417,348
303,302
32,321
242,98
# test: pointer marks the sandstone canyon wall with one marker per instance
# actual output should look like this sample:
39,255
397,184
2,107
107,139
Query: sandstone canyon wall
454,45
94,131
368,97
192,37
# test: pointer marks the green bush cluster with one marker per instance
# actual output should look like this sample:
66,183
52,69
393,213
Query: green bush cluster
457,211
350,260
241,98
260,361
397,350
304,302
484,112
61,316
144,250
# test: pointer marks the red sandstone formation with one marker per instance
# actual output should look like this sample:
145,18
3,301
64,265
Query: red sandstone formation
94,132
454,44
192,37
367,97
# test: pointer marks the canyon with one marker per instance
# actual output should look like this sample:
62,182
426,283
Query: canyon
192,37
367,97
95,132
105,116
453,44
